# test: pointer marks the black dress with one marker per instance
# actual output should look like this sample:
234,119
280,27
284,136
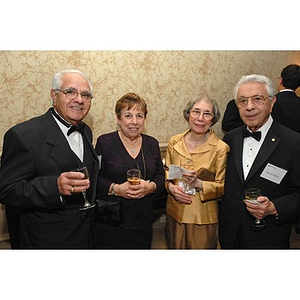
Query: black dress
135,230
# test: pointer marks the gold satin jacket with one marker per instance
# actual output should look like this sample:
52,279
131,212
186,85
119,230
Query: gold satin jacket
212,155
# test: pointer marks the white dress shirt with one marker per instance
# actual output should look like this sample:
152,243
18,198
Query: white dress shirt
251,147
74,139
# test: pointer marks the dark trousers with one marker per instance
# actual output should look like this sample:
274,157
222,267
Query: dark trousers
114,237
13,225
240,242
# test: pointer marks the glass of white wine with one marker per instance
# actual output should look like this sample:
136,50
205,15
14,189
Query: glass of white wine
87,204
187,166
134,176
251,195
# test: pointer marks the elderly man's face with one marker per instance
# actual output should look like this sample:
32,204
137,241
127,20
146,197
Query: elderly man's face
254,115
74,110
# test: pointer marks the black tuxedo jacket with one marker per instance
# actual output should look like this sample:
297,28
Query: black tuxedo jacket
281,148
286,110
34,154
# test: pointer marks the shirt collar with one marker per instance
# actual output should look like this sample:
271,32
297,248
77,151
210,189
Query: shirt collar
265,128
286,90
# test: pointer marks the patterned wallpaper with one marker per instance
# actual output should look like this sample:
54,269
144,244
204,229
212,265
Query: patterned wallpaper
166,79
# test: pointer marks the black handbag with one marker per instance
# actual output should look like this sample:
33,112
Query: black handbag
109,210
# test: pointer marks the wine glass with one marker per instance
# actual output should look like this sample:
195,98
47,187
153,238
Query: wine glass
187,165
251,195
86,204
134,176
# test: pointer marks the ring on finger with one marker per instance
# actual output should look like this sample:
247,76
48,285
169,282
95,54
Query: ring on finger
72,190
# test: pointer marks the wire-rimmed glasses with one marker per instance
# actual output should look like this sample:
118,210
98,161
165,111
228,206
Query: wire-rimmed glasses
73,94
255,99
195,113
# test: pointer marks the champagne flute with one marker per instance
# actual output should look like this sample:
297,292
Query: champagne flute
86,204
251,195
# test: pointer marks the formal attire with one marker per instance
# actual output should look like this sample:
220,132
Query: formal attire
271,164
286,109
203,211
35,153
135,229
231,118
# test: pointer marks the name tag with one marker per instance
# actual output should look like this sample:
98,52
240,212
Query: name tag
273,173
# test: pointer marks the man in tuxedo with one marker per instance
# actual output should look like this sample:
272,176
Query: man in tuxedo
266,155
41,194
287,107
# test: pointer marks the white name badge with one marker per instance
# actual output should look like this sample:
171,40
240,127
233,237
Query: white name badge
273,173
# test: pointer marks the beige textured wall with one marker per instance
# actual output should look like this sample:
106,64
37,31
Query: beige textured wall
166,79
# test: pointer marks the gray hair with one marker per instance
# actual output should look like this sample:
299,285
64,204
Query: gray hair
256,78
216,111
57,79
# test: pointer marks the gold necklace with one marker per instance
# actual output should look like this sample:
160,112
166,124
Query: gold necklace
196,144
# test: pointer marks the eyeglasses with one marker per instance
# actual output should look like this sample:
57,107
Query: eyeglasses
256,99
73,94
206,115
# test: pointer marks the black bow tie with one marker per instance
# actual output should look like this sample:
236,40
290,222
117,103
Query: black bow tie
72,128
256,134
79,128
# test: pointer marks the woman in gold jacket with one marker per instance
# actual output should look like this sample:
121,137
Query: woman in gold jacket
192,220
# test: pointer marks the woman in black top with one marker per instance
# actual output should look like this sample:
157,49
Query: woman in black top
120,151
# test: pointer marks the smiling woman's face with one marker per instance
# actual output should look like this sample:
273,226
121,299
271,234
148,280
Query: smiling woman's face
132,122
74,110
199,124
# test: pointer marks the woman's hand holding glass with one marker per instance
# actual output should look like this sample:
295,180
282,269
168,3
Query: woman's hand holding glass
140,190
179,194
189,176
133,191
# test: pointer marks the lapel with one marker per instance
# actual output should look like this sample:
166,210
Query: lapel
61,152
238,154
180,147
91,161
269,145
63,155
